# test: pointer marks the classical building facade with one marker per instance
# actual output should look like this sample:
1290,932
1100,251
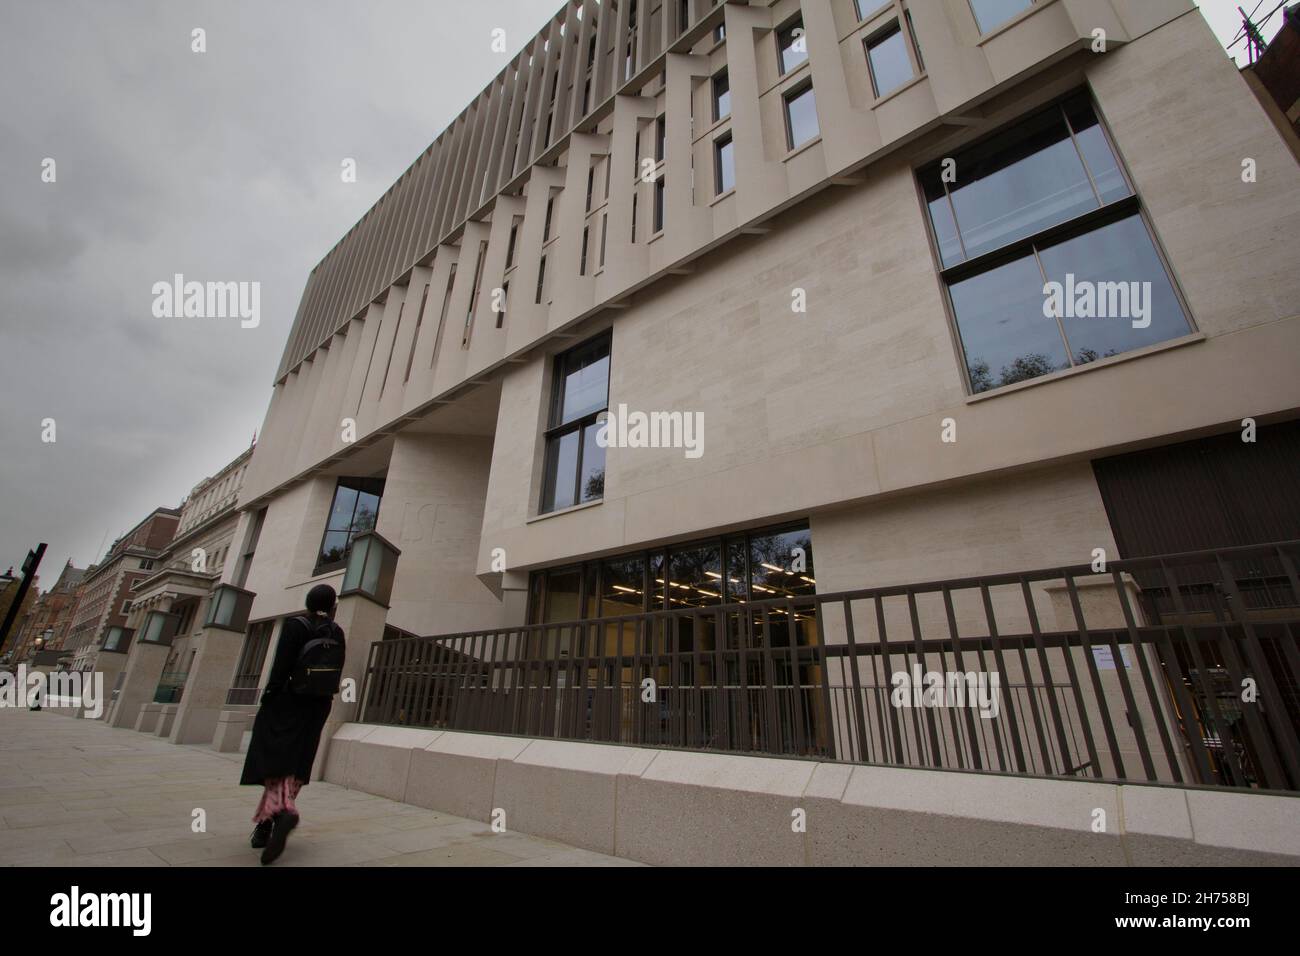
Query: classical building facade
700,304
107,586
49,622
167,649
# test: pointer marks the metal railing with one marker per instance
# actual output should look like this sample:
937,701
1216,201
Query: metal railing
245,689
171,684
1179,668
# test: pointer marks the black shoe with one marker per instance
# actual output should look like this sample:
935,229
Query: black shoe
283,823
261,834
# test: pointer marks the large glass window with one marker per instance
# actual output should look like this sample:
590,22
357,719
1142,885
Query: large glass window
1048,261
991,14
574,470
754,566
801,117
355,509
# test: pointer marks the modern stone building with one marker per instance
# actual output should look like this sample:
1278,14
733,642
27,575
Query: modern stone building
905,290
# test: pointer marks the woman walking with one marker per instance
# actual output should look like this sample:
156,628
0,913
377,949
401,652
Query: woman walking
286,732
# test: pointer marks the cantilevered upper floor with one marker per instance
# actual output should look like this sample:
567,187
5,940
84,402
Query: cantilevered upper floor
624,141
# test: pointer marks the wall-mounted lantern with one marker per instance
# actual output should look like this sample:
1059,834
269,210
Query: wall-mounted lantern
117,640
159,627
229,607
372,565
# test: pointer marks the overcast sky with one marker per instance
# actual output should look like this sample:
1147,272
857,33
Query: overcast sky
222,166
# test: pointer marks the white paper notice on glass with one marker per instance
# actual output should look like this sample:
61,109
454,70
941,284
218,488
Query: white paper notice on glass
1105,660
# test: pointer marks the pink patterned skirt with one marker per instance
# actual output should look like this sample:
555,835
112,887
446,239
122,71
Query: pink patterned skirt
279,795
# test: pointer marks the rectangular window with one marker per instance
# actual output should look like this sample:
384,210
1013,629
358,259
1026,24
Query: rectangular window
354,510
510,246
591,186
442,316
388,367
246,560
634,217
473,294
991,14
574,467
659,204
916,44
604,234
582,262
546,226
719,33
541,280
791,45
888,60
721,96
126,607
661,139
801,117
724,164
760,565
415,336
505,296
1041,207
866,8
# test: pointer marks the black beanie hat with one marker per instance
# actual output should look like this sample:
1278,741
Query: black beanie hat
320,599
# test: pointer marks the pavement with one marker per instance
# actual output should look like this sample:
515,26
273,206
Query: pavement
80,793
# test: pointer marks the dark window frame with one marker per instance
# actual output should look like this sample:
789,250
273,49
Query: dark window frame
720,78
591,574
985,31
556,429
719,144
787,98
788,28
362,485
878,38
1108,213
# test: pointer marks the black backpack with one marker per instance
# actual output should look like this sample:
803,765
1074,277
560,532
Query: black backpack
319,668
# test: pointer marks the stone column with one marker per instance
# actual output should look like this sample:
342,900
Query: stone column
207,684
110,665
362,620
144,666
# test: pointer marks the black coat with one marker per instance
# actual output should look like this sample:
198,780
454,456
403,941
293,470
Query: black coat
287,729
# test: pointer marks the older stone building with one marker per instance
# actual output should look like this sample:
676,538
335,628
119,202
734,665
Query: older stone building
170,652
49,622
107,586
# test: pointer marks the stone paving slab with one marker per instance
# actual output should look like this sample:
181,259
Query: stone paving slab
80,793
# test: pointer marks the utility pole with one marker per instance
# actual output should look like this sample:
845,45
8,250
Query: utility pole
29,571
1254,39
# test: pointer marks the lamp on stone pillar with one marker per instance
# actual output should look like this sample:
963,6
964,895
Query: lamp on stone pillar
229,607
159,628
117,640
372,565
